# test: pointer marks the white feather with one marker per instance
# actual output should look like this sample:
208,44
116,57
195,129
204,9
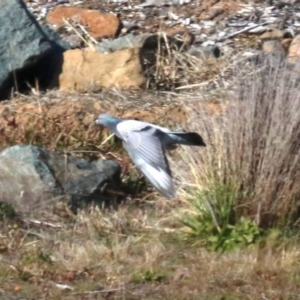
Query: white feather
159,178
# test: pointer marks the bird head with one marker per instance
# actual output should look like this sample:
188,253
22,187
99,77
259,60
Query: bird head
106,119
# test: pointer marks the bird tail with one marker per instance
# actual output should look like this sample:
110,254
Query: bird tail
188,138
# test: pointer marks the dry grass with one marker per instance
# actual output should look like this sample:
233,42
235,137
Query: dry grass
169,66
69,124
252,146
135,253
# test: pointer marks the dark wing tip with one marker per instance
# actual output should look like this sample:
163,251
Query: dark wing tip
196,139
202,144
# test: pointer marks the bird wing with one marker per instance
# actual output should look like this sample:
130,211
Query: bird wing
146,151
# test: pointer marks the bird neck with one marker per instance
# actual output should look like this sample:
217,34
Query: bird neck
112,125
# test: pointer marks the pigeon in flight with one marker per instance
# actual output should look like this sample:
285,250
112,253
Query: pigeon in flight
146,144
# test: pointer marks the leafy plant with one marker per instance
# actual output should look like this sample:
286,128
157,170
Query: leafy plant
7,211
38,257
147,276
213,219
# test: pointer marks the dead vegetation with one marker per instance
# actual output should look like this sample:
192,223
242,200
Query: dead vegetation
133,253
253,146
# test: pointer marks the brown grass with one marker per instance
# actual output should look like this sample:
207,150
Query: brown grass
172,67
135,253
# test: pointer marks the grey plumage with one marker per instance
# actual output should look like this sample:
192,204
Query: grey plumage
146,144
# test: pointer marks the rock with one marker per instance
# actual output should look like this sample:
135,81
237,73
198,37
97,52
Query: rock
30,175
74,40
294,51
273,47
99,25
182,39
156,3
21,186
125,42
286,43
90,71
205,52
25,46
273,34
275,41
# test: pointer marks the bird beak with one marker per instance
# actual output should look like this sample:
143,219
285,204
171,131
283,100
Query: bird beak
97,122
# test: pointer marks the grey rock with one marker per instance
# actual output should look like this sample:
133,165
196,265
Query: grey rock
204,52
273,47
21,186
37,158
156,3
74,40
127,41
56,174
23,44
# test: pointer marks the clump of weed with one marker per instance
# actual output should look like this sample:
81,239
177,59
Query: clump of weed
7,211
247,176
213,222
147,276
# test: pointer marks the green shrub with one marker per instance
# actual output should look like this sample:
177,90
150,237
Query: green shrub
213,220
147,276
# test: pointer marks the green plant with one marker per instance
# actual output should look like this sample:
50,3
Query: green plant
7,211
38,257
214,220
147,276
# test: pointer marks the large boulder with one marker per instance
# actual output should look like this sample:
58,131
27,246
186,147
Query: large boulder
25,47
31,176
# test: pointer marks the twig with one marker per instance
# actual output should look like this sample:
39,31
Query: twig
64,287
84,30
77,32
97,292
191,86
39,235
241,31
106,140
212,214
37,222
167,230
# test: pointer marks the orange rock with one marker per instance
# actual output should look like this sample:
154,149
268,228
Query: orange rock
294,51
286,43
98,25
90,71
273,47
274,33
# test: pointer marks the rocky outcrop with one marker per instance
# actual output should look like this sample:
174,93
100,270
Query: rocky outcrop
25,46
31,176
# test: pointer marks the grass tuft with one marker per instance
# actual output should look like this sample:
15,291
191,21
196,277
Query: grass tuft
250,166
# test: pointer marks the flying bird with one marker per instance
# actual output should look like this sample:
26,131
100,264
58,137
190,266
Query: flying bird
146,144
